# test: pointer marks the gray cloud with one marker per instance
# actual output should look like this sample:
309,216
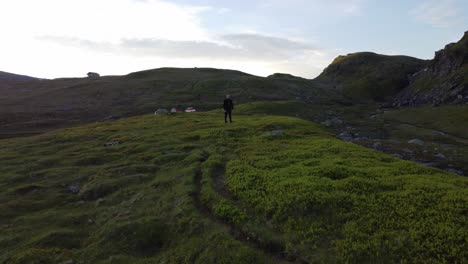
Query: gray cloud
234,46
438,13
78,43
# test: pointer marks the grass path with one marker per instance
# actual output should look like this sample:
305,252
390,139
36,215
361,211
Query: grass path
276,255
457,139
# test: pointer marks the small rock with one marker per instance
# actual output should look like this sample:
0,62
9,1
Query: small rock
441,133
440,156
121,213
70,261
111,117
425,163
274,133
161,112
451,170
362,139
377,145
74,188
112,143
327,123
416,142
397,156
409,151
100,201
347,136
337,121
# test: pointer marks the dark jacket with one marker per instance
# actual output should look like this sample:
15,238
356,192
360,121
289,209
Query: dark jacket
228,105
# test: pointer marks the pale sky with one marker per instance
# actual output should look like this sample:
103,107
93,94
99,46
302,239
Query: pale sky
68,38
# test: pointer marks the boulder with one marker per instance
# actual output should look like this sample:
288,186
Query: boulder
74,188
416,142
327,123
334,121
93,75
161,111
346,136
377,145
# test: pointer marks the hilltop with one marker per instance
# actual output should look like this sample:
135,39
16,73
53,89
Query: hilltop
11,77
370,76
186,188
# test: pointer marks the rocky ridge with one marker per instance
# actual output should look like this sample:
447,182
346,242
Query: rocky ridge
444,80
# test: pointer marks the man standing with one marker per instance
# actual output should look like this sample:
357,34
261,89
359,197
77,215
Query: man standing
228,107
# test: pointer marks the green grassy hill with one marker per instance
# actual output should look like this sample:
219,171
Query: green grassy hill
34,107
187,188
370,76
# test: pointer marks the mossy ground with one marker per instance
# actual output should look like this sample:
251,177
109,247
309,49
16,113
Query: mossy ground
451,119
187,188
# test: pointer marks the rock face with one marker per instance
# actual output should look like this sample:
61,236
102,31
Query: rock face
444,80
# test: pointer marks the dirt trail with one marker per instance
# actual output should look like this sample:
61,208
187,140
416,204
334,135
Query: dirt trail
277,254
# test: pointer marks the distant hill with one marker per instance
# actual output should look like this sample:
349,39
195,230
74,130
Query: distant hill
36,106
30,105
367,75
444,80
9,77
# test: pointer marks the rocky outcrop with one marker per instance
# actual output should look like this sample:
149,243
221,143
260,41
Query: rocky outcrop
161,111
93,75
444,80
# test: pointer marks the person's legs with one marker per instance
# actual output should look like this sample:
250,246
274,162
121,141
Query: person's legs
230,117
225,116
